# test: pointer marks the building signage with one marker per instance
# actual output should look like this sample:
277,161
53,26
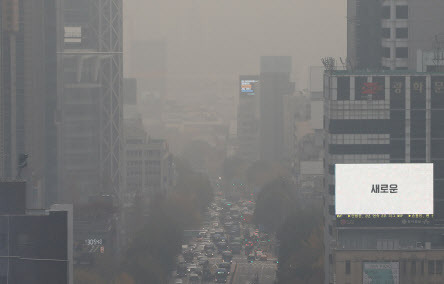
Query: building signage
392,189
248,84
381,272
73,34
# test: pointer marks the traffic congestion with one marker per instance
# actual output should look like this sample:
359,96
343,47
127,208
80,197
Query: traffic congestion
227,240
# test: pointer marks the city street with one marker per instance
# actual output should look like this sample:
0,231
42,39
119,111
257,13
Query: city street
246,271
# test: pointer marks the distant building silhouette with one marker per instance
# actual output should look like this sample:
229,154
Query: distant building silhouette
274,85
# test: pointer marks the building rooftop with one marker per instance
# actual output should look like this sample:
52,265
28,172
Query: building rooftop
383,72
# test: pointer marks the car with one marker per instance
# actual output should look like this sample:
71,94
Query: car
263,257
194,278
225,265
209,253
251,258
221,275
178,281
203,261
227,256
192,268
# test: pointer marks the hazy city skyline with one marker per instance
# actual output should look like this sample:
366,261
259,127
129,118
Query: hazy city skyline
219,40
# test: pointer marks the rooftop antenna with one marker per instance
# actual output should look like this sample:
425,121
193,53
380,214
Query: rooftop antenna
344,63
329,63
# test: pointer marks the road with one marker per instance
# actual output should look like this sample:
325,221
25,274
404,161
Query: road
246,271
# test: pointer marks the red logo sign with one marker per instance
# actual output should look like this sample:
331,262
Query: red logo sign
371,88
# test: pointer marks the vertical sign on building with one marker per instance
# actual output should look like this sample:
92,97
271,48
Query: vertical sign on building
418,119
437,106
397,118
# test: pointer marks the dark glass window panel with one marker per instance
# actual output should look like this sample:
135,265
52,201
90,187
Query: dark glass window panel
418,123
402,12
343,88
402,52
402,33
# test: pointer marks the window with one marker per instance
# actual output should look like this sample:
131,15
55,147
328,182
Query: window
402,68
331,209
402,33
422,267
386,32
402,52
386,12
413,268
3,238
386,52
331,189
330,258
330,230
331,169
402,12
347,267
438,267
431,267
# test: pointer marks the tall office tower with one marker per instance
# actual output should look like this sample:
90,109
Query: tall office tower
248,119
274,85
37,245
377,118
91,103
28,92
387,34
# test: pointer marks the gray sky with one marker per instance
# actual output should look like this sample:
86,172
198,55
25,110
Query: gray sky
216,40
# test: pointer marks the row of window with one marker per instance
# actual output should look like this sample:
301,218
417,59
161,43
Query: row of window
140,163
363,114
139,153
400,52
360,138
433,267
355,158
402,12
400,33
139,173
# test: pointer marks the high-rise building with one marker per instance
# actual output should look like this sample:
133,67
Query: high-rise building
386,34
37,245
28,94
91,101
385,117
248,118
274,85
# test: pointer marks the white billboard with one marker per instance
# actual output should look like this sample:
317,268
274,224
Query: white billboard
384,189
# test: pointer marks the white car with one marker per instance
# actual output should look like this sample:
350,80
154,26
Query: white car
194,278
